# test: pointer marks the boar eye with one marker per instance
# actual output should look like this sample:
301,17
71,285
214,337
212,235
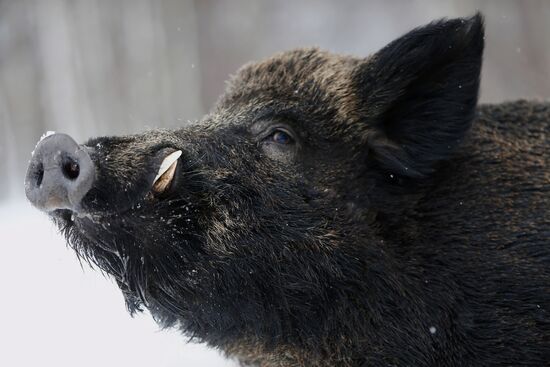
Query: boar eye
276,139
281,137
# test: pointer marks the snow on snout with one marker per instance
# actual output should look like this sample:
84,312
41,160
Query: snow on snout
44,136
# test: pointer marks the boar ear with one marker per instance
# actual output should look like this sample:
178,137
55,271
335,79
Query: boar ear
419,94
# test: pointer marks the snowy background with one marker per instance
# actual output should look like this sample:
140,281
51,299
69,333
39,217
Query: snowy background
94,67
55,313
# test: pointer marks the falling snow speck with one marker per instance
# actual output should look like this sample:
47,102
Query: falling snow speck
432,330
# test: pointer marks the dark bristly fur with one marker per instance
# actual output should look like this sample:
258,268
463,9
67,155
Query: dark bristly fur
400,226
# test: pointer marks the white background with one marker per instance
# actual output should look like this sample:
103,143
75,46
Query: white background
53,312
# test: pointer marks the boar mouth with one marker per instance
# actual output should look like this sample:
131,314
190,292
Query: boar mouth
157,189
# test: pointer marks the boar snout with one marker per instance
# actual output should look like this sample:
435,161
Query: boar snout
59,175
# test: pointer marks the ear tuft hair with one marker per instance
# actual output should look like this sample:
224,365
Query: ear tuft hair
420,94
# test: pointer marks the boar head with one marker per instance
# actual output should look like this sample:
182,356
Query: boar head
271,219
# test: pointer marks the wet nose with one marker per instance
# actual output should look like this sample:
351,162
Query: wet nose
59,175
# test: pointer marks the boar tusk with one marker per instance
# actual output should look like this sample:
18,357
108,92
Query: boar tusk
166,171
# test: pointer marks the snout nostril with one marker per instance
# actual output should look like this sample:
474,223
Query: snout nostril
71,169
39,174
60,174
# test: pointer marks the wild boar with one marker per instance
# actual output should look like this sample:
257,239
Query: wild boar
329,211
